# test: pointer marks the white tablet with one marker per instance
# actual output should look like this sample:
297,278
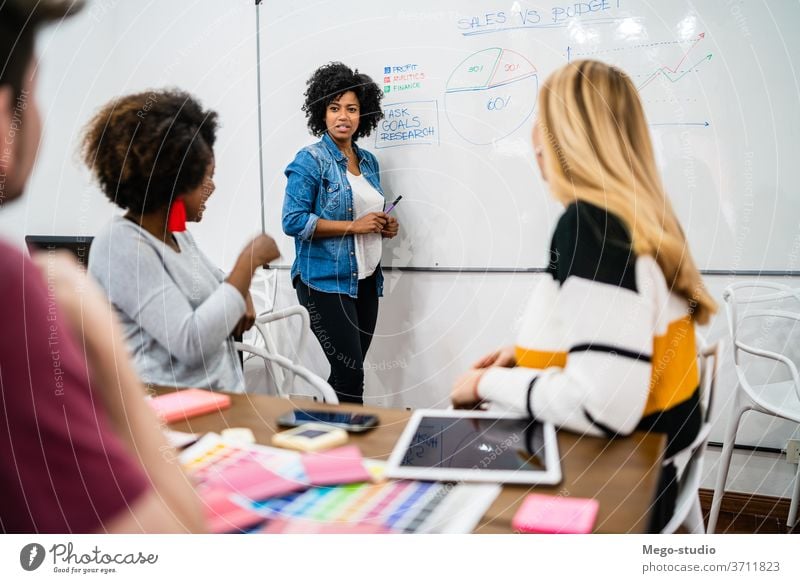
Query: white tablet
476,446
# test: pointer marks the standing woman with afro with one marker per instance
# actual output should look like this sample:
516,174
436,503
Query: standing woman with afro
153,156
334,210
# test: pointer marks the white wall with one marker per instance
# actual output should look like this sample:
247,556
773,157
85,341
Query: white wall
123,47
76,75
207,48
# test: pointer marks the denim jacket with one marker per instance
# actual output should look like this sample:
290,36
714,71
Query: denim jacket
318,188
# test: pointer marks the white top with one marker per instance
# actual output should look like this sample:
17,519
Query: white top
369,247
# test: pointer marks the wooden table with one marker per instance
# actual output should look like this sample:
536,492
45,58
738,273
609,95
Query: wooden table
622,474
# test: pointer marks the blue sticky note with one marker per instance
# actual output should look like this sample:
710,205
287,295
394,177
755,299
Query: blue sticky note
387,70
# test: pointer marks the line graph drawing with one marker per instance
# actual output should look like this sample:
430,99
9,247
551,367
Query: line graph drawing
670,61
490,94
673,73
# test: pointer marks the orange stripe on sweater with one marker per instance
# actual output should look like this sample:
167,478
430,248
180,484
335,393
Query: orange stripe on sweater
539,358
674,376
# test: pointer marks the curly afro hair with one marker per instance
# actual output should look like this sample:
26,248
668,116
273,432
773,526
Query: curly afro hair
328,83
146,148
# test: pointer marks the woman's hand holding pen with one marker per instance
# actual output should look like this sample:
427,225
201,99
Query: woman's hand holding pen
391,228
370,223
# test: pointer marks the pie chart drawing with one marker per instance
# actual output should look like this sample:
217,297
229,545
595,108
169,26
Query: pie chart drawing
490,94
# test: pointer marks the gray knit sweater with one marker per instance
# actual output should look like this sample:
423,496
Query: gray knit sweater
177,313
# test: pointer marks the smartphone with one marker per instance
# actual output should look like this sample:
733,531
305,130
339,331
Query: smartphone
352,422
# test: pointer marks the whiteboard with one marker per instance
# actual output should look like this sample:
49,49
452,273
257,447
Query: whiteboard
718,80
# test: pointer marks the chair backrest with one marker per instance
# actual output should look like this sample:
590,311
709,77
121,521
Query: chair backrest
708,374
756,307
692,456
264,289
287,342
322,388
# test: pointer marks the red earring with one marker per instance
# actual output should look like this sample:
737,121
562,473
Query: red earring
176,222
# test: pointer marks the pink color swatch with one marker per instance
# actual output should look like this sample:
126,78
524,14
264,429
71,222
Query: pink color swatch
343,465
300,526
249,478
224,515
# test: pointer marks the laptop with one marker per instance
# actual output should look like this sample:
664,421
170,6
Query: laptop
77,245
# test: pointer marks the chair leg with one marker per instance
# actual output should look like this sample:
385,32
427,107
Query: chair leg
792,521
725,463
694,520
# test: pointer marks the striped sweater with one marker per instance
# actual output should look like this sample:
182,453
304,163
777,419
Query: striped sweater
604,347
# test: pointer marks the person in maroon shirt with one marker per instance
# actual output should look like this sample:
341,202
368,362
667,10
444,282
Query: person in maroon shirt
80,449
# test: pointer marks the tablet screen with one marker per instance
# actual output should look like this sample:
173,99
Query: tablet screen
474,443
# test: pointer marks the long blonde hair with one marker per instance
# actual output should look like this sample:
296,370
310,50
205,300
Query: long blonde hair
596,148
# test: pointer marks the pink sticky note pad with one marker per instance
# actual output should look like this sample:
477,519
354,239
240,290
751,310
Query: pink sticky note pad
224,515
249,478
188,403
343,465
553,515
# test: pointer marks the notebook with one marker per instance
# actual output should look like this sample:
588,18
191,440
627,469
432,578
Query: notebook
188,403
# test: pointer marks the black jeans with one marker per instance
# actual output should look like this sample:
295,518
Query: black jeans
344,328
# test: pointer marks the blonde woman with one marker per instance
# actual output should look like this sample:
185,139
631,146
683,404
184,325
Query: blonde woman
607,345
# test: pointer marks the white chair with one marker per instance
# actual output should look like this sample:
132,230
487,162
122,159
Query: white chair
743,304
264,289
279,365
688,512
326,392
291,344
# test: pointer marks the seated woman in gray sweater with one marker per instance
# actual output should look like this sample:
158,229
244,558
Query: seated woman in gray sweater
152,154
